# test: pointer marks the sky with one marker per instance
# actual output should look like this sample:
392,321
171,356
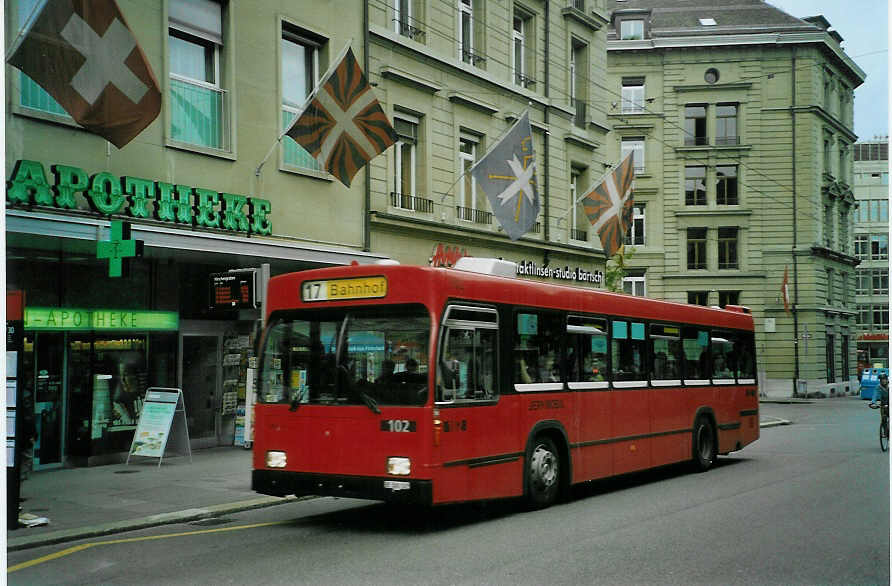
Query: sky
864,26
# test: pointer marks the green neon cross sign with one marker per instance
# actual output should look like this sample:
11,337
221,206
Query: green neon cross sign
118,247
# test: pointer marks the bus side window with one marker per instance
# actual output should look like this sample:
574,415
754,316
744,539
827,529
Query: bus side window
468,362
695,344
666,352
744,351
721,351
628,351
586,349
537,348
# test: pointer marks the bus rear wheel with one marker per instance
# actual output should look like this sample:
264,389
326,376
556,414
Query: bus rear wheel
704,444
543,473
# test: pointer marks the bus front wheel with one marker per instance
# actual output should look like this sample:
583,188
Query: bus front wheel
543,473
704,444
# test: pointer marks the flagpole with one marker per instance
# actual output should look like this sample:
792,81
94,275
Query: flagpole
494,145
38,8
463,173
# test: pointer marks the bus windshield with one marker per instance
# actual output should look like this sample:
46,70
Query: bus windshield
347,356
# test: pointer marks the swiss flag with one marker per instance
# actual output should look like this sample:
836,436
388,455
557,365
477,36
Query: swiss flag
85,56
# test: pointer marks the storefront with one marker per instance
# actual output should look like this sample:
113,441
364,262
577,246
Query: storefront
95,342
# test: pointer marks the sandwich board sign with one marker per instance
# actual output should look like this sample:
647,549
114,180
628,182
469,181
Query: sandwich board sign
162,424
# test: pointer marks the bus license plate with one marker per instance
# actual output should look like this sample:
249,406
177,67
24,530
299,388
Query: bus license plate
338,289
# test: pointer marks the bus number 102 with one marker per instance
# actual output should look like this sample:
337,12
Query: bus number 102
397,425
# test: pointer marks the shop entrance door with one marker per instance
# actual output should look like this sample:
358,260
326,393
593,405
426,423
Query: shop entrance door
49,400
201,381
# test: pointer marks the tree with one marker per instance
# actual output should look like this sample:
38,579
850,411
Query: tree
617,268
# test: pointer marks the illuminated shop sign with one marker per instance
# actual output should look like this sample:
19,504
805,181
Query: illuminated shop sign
528,268
108,195
71,319
446,256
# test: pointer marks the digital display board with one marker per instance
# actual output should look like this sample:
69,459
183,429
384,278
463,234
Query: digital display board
234,290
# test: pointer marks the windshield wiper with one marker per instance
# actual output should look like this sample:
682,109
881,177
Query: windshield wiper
370,402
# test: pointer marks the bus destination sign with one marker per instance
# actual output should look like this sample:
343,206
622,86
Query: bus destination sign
340,289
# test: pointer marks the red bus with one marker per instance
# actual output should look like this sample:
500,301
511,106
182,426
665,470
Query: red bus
435,385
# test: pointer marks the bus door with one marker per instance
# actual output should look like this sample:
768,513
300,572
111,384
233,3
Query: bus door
587,375
630,403
476,440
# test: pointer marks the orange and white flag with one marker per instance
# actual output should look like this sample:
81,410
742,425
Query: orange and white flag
785,291
342,124
85,56
609,206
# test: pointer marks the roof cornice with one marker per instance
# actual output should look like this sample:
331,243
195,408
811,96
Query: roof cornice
774,38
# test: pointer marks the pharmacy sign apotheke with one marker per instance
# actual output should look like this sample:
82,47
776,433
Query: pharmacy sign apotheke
108,195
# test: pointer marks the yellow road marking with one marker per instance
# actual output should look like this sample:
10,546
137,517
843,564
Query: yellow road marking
83,546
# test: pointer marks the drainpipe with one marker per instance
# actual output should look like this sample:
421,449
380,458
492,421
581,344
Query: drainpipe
795,233
367,172
545,138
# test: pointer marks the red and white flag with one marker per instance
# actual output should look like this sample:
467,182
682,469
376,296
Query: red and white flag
342,125
785,291
85,56
609,206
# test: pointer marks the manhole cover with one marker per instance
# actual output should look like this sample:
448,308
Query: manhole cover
126,471
213,521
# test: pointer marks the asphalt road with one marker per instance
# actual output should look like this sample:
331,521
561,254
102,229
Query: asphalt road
806,504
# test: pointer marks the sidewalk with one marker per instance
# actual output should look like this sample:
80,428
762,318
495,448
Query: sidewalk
103,500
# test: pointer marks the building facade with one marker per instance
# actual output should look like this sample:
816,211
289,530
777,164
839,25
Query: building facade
871,187
741,119
212,187
454,76
206,187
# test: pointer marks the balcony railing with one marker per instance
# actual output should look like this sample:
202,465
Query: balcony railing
473,58
577,234
727,140
411,202
198,114
473,215
524,81
696,140
578,4
408,30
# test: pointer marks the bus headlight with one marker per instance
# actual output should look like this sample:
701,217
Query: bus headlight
399,466
276,459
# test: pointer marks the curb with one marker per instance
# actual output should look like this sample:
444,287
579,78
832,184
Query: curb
62,536
788,401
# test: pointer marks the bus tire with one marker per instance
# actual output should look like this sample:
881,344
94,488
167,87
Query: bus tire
543,473
704,444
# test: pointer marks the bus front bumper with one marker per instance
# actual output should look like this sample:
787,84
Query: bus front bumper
391,489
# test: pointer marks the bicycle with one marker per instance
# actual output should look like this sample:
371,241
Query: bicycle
884,424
